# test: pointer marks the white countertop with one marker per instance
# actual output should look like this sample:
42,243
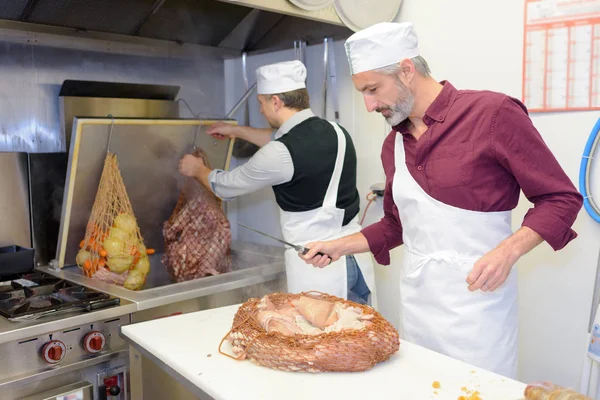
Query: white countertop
186,346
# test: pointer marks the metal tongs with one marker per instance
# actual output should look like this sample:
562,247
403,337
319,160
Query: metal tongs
95,305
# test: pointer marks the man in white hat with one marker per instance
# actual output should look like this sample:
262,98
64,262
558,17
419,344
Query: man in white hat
455,162
311,165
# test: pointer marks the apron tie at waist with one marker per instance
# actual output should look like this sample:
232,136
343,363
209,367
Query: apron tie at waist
418,260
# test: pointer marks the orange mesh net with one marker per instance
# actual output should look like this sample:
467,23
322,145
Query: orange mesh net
550,391
113,249
349,350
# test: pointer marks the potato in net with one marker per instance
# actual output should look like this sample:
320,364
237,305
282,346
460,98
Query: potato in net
113,249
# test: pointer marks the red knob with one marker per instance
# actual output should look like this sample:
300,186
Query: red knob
94,342
53,351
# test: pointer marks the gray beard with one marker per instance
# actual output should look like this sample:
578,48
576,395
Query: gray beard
404,105
401,111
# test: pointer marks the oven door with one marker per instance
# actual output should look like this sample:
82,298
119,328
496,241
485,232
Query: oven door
76,391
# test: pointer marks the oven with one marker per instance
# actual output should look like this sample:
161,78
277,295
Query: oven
58,339
88,361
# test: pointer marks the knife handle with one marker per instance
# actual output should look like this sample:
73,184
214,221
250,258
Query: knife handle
103,303
306,250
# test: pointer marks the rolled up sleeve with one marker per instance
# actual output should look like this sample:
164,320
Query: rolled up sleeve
386,234
519,148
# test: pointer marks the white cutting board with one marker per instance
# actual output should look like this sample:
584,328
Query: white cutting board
188,344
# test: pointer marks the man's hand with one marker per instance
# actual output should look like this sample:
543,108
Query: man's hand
222,130
491,270
330,249
191,166
335,249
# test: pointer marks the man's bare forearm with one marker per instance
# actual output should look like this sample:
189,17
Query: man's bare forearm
257,136
352,244
521,242
202,177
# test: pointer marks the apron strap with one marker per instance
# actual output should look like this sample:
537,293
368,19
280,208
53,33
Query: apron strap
334,184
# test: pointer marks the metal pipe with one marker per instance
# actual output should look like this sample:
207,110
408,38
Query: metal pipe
595,298
325,69
241,101
300,51
334,89
245,78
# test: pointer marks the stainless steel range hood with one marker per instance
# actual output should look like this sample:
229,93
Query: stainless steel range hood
239,25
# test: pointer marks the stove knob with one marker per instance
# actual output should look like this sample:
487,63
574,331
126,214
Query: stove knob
53,351
94,342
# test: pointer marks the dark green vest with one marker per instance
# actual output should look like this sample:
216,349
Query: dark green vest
313,147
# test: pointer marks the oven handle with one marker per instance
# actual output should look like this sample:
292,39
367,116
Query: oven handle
27,379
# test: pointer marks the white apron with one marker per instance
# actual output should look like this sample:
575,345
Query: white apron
321,224
438,311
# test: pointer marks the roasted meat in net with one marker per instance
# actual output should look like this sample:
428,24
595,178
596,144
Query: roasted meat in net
310,332
197,235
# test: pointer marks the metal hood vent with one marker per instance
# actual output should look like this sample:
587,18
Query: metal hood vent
202,22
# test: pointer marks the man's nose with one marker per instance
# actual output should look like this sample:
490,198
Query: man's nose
370,103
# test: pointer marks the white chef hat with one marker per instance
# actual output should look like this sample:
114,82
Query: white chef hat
280,77
381,45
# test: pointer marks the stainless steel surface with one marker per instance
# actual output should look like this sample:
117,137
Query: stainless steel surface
334,89
325,74
82,391
241,101
21,360
15,224
86,370
243,148
34,67
11,331
246,87
148,153
122,375
300,51
159,371
51,373
252,265
95,305
81,107
207,22
81,99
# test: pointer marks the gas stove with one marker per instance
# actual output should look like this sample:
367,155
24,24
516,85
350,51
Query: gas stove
28,295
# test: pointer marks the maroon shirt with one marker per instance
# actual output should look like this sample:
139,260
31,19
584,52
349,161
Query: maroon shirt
479,150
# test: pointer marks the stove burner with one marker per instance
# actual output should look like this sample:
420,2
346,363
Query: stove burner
42,292
5,296
43,302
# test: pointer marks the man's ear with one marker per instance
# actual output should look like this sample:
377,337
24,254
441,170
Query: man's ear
407,70
277,103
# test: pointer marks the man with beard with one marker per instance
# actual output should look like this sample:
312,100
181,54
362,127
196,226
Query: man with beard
311,165
455,162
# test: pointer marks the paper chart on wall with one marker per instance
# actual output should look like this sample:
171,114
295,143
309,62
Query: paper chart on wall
561,55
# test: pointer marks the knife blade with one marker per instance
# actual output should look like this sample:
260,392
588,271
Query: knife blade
300,249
